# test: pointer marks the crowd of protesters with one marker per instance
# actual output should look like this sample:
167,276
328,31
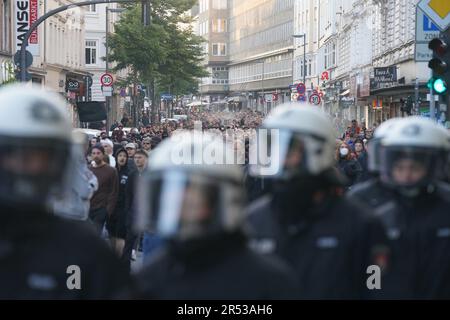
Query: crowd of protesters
351,152
116,158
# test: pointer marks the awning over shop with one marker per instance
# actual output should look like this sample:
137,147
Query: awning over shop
346,92
197,104
220,102
235,99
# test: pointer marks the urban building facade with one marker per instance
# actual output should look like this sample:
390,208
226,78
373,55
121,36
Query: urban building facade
359,56
212,23
393,46
260,53
6,36
58,51
94,43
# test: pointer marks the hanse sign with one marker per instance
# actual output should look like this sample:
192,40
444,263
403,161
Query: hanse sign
25,14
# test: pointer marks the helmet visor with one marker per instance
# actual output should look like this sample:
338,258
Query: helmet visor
410,166
279,154
184,206
31,169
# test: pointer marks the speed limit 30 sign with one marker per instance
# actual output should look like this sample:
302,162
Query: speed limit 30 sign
315,99
107,80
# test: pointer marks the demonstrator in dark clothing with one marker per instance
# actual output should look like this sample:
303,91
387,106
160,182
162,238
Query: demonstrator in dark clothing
105,198
117,222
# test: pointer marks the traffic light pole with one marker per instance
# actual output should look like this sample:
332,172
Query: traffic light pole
24,44
416,91
432,105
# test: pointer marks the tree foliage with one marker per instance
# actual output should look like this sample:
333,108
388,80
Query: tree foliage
166,51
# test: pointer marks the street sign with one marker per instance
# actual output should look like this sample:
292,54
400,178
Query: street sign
438,11
107,91
315,99
436,97
426,31
268,97
301,98
301,89
423,53
28,59
73,85
106,80
166,96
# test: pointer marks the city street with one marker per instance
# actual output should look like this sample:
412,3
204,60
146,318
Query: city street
244,150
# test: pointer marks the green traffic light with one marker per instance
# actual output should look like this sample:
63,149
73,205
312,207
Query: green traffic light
439,86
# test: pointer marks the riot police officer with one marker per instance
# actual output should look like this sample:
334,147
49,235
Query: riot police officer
371,192
43,256
329,241
415,214
198,210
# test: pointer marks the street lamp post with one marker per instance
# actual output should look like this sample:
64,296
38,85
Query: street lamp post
107,98
262,83
304,54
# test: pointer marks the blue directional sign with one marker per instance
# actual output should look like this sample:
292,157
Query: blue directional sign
166,96
428,25
301,98
426,30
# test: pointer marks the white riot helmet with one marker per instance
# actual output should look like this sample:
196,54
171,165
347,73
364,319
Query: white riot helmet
300,141
374,144
188,191
35,139
413,155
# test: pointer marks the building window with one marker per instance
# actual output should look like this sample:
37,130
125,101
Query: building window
333,53
219,4
219,25
91,52
204,5
203,28
330,55
219,49
91,8
5,23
